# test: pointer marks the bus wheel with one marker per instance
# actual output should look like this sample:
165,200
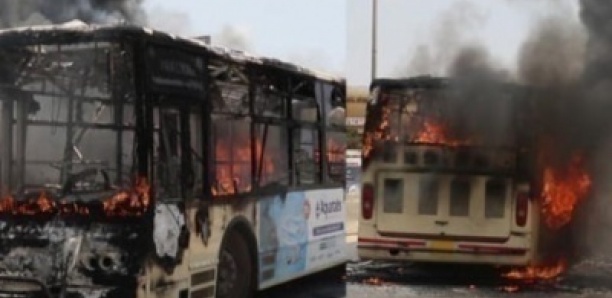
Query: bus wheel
235,270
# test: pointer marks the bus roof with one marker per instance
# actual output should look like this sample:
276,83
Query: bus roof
431,82
427,82
78,31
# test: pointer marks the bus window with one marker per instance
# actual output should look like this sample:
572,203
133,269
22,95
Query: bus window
336,156
271,166
306,110
168,151
307,165
269,104
231,130
336,133
232,156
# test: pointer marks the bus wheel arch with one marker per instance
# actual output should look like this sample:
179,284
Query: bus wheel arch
237,234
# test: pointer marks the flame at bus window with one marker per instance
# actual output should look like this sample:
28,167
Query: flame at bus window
132,201
232,161
415,116
336,155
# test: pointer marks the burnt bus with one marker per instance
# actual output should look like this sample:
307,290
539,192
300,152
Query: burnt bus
431,194
139,164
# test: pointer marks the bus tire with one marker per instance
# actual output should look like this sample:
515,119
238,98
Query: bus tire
235,270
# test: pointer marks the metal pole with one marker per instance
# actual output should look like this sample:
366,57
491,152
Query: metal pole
374,33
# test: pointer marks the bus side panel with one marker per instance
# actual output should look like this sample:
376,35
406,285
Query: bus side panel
301,233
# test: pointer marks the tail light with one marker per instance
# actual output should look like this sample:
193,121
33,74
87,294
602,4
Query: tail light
367,201
522,208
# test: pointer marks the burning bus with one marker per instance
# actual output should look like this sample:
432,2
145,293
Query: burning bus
452,182
139,164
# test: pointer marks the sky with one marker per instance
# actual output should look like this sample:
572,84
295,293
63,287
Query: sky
335,35
311,33
405,26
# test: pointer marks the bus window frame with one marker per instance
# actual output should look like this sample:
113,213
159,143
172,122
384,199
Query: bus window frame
202,102
148,97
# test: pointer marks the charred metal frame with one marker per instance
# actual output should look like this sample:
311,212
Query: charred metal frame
520,95
44,69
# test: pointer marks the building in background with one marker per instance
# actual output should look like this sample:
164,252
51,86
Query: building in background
356,101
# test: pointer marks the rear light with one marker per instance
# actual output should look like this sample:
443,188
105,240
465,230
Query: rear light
367,201
522,208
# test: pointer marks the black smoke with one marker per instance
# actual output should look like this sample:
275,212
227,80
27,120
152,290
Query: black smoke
37,12
596,95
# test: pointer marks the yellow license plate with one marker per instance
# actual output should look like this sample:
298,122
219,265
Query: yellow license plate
442,245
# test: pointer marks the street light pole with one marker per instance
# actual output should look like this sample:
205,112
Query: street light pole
374,33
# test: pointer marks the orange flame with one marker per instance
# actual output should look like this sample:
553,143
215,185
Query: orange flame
336,151
133,202
378,133
432,132
532,274
125,203
436,133
563,190
233,168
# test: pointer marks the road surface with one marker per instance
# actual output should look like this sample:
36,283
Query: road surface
589,279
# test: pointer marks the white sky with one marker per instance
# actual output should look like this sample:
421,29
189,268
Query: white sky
308,32
335,35
404,25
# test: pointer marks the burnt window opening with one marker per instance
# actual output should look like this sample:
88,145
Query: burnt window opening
270,102
307,162
175,173
231,139
336,156
334,106
411,158
304,104
431,158
463,159
229,89
76,102
271,90
271,155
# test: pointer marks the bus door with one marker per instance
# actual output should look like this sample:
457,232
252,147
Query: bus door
173,180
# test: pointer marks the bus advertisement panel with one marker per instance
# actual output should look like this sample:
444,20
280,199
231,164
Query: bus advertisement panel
304,231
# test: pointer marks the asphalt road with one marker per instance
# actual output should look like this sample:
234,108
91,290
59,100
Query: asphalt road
591,278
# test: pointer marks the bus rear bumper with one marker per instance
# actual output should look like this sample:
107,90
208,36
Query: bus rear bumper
413,250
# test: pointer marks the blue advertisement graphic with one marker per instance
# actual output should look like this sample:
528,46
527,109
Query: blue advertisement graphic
283,234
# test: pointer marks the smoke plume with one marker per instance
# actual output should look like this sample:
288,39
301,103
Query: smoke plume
451,32
233,37
40,12
566,64
596,86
